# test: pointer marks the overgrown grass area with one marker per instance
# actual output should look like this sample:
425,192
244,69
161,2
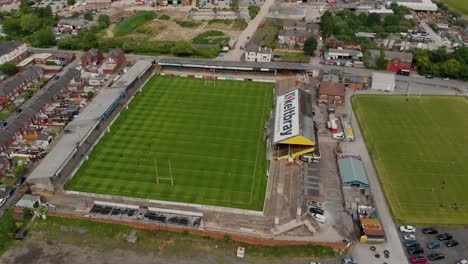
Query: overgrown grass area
111,236
253,11
8,226
188,24
214,37
212,149
458,5
418,147
130,24
267,36
294,57
164,17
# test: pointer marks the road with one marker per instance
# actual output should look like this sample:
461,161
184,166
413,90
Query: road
434,36
362,252
236,53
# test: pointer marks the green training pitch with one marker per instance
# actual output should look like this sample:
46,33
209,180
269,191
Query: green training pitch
207,136
419,151
458,5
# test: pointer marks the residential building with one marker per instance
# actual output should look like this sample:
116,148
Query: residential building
346,54
292,38
294,25
5,165
332,42
254,52
115,59
33,110
370,36
65,57
91,60
173,2
16,85
12,51
397,60
331,92
66,25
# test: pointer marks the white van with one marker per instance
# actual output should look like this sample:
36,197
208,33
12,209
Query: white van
339,136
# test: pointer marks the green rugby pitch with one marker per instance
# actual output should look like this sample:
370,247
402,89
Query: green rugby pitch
209,136
419,152
458,5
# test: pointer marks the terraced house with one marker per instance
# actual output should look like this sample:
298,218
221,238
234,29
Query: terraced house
18,84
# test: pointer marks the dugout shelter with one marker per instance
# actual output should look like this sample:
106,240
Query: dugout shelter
293,132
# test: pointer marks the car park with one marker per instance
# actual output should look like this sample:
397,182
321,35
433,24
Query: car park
407,229
444,236
452,243
415,250
430,231
433,245
411,243
409,237
418,259
435,256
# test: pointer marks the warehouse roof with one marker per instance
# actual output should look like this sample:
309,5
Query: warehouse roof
383,82
352,172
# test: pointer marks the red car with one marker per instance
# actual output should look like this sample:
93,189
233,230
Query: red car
418,259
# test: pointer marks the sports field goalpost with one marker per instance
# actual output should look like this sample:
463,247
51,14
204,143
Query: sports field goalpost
158,178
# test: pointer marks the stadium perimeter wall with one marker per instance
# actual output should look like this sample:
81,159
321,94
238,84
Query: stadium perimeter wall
142,200
213,234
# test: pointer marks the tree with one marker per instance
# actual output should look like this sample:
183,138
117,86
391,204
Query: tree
43,38
88,16
373,19
104,19
439,55
29,22
8,69
310,45
253,11
70,2
423,61
451,68
89,95
183,48
12,28
327,24
88,39
461,54
391,20
382,61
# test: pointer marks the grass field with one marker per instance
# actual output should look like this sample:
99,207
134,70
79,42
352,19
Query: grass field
458,5
130,24
419,151
209,139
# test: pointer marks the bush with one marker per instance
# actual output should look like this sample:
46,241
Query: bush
188,24
165,17
253,11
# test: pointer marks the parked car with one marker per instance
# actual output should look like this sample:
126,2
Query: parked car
409,237
4,124
418,259
312,262
20,181
20,234
430,231
316,211
319,218
415,250
2,201
433,245
444,236
349,260
411,243
428,76
462,261
446,79
435,256
314,204
407,229
452,243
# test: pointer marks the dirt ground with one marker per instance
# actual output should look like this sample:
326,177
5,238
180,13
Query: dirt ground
64,247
